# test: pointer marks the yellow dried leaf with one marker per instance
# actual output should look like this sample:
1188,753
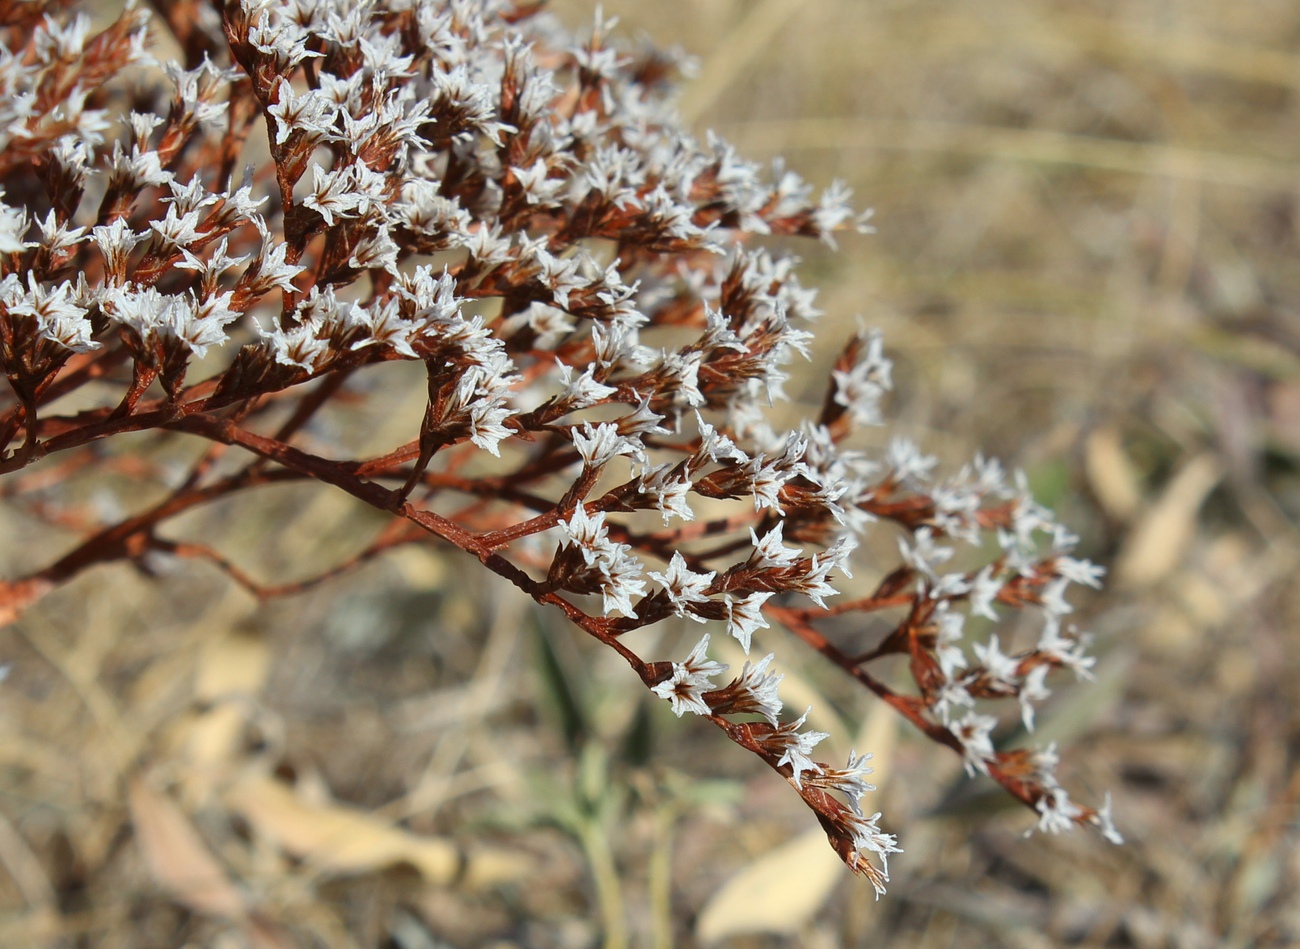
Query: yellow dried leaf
1162,535
177,857
779,893
1111,475
346,840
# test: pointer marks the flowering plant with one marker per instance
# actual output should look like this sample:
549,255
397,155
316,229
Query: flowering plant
217,247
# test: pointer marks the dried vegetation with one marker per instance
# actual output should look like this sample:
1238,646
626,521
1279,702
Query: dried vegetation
1086,265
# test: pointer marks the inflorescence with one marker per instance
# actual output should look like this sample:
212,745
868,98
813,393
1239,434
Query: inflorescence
217,244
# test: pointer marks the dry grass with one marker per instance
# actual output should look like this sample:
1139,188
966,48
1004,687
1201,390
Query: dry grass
1086,264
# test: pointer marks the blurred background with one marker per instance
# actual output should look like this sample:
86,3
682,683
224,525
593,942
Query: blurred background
1086,264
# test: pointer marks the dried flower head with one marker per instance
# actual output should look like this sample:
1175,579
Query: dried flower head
460,184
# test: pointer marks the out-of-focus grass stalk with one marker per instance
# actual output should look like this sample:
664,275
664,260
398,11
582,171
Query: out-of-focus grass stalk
592,834
661,878
1032,146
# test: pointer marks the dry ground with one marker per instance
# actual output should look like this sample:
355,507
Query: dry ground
1086,264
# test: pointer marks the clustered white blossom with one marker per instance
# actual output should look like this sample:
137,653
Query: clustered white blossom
462,184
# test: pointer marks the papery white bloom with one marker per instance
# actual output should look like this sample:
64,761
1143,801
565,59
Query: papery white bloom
685,688
795,747
1053,597
158,318
715,447
906,461
951,693
643,421
56,235
196,90
1069,651
867,836
851,780
684,586
537,187
681,372
332,193
833,211
600,445
192,196
770,551
13,226
1105,822
584,391
814,583
924,554
860,388
272,269
176,229
984,592
311,113
975,731
745,615
299,346
375,251
59,317
1083,572
758,689
1000,668
766,481
1033,689
949,585
950,629
669,493
1056,812
619,581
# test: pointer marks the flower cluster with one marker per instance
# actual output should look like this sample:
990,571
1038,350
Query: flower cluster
460,183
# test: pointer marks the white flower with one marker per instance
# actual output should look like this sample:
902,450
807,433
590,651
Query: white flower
58,317
1033,689
952,692
689,681
310,112
583,391
1105,822
1056,812
1053,597
975,731
643,421
906,461
984,590
861,388
1070,651
923,554
795,747
757,690
745,615
332,193
771,551
999,667
867,836
13,225
272,269
684,586
669,493
950,626
851,780
599,445
1080,571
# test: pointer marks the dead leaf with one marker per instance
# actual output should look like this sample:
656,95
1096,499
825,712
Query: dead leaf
345,840
779,893
179,859
1111,475
1161,536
